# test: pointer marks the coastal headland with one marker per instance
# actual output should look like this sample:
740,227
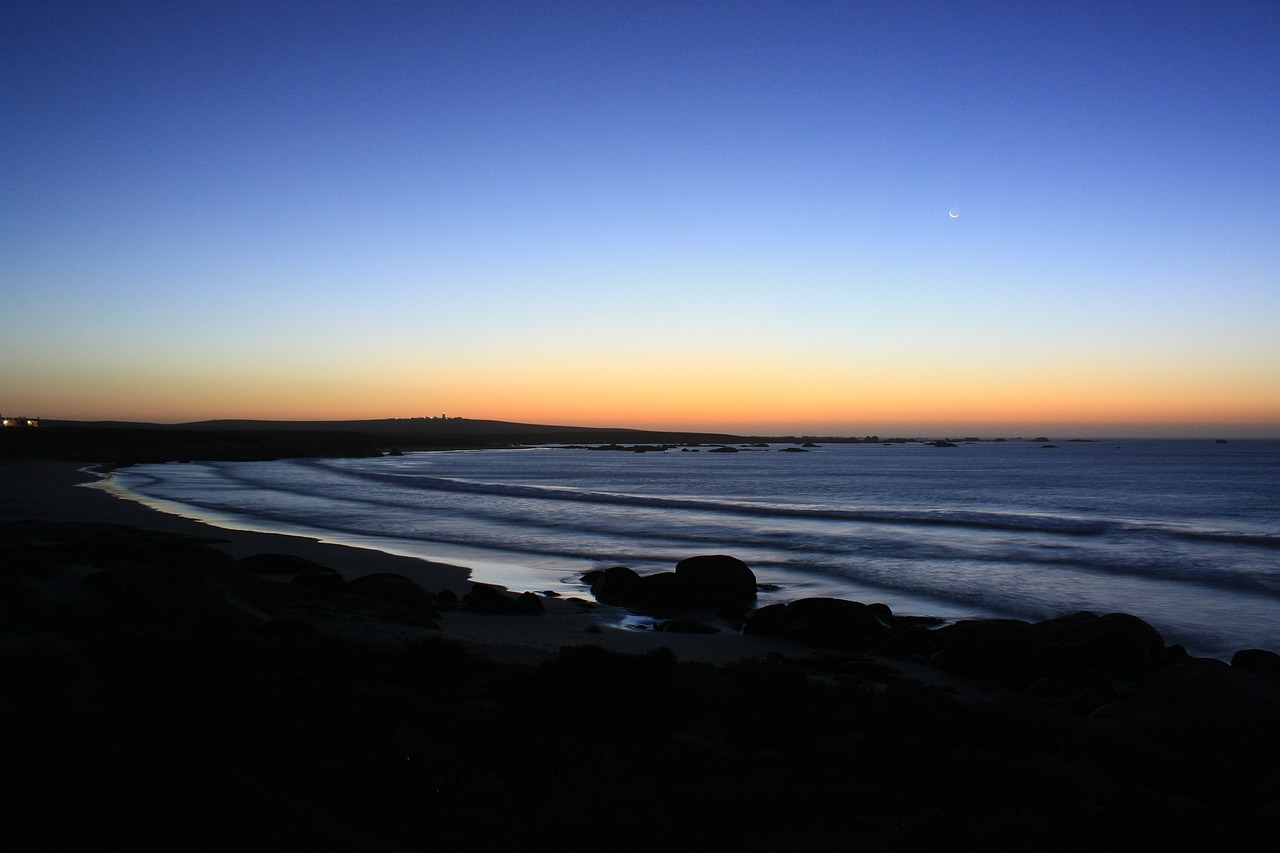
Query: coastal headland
123,442
212,687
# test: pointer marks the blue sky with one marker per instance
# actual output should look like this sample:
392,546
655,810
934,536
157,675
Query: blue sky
668,214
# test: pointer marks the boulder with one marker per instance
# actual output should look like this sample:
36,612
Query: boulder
528,604
666,591
1199,704
698,583
991,648
488,599
1114,642
282,564
618,585
830,623
723,578
1259,662
391,589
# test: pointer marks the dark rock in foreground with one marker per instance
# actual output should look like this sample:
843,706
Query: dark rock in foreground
282,564
831,623
139,702
1201,704
698,583
390,588
1259,662
1114,642
485,598
991,647
718,576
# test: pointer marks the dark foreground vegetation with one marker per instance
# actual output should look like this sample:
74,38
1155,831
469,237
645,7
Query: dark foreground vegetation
159,694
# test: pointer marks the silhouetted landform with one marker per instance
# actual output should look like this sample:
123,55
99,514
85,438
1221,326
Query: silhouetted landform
134,445
156,688
704,582
422,433
125,442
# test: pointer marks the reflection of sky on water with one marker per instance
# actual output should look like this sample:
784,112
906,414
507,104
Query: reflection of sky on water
969,547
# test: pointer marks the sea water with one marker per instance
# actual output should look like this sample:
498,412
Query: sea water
1185,534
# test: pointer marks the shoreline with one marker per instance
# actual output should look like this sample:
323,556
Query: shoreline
54,490
62,491
154,681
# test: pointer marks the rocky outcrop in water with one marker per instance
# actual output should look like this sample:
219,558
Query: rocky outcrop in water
705,582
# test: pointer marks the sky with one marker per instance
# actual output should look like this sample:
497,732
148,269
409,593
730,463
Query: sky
832,218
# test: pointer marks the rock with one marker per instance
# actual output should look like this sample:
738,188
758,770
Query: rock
488,599
282,564
484,598
667,591
1198,704
723,449
724,578
1259,662
831,623
1115,642
617,585
991,648
528,604
910,642
704,583
391,589
882,611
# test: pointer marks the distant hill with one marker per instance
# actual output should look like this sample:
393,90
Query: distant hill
131,444
124,442
435,432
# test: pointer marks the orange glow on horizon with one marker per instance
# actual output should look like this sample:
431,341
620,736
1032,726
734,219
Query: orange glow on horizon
728,395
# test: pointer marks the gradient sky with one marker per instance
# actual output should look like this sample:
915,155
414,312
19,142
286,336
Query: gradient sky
680,215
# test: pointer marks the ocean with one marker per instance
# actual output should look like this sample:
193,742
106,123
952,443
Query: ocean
1185,534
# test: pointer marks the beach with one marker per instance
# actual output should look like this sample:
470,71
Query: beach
160,682
55,490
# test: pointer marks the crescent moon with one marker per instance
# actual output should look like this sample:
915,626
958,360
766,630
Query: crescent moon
953,214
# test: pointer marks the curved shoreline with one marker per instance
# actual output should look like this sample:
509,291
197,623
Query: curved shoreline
51,490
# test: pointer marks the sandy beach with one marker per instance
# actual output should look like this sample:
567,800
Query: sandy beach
54,490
